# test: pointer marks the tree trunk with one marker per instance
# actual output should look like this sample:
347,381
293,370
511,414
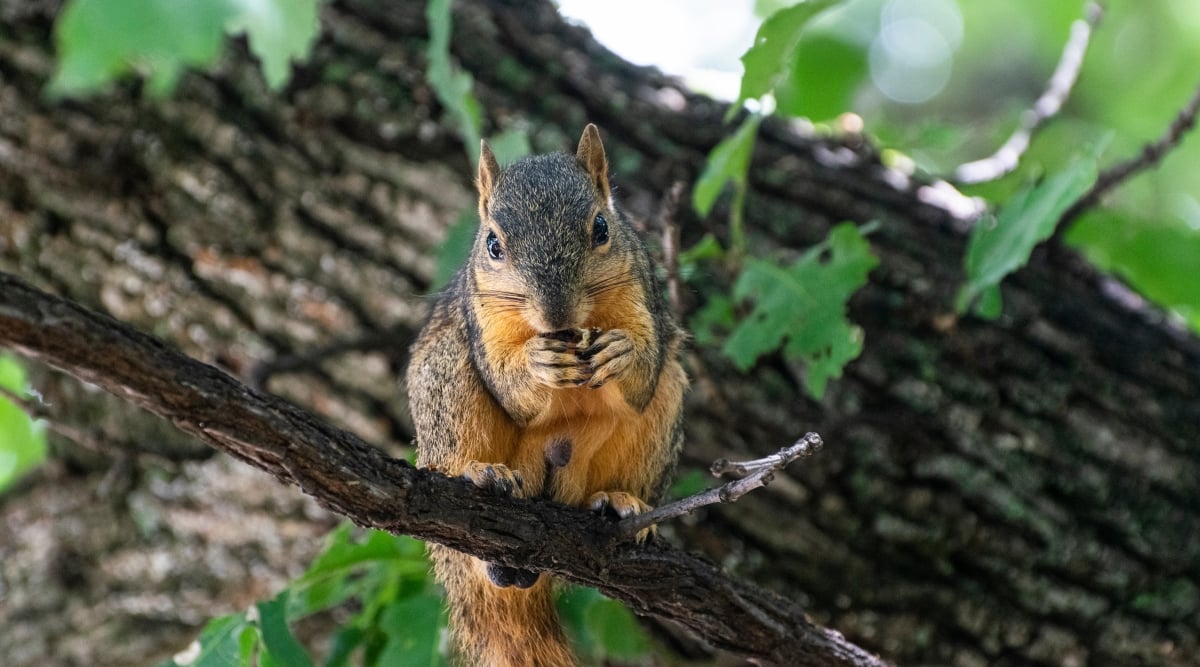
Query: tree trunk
1014,492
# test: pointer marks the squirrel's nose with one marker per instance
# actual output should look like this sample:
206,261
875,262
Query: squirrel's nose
558,315
554,310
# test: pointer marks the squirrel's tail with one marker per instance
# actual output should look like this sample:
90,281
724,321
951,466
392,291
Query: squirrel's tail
500,627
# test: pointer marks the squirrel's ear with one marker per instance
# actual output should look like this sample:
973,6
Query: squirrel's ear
591,157
488,170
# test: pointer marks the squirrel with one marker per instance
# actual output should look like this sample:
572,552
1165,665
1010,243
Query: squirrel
548,368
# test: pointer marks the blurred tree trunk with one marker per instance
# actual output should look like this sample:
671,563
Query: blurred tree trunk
1015,492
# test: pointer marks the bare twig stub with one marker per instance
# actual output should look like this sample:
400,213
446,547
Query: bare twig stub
1006,158
1150,155
350,477
750,475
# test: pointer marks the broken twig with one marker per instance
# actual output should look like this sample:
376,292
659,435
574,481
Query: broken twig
750,476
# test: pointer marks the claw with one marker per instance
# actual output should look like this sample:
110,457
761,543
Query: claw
608,357
554,362
495,476
620,505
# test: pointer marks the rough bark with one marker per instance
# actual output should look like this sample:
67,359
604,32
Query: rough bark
1014,492
354,479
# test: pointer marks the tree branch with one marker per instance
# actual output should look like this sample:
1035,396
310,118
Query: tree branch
750,475
1006,158
1150,155
357,480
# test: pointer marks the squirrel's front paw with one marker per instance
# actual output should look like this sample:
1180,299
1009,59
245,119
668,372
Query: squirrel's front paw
555,362
495,476
620,505
609,355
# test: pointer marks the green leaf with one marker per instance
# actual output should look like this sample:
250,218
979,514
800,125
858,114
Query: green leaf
279,32
510,146
1002,245
825,74
572,604
345,640
334,575
248,645
712,321
451,85
707,247
689,484
1158,256
773,52
601,629
98,41
455,249
278,640
728,162
802,308
220,644
615,630
22,441
413,626
343,553
990,303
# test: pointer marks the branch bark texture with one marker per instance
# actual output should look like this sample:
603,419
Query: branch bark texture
359,481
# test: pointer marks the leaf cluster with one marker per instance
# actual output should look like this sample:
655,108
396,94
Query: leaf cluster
397,614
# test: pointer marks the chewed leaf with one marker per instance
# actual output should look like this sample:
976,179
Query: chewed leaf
802,308
101,41
279,31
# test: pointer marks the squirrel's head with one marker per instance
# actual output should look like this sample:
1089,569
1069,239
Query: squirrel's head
549,242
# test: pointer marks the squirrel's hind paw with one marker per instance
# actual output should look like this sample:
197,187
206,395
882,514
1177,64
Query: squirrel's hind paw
505,576
495,476
620,505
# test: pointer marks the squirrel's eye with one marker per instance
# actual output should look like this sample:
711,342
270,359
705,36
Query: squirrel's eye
599,231
495,250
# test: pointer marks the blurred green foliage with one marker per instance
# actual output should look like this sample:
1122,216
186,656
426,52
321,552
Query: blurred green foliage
728,163
101,41
801,309
397,615
451,83
22,441
1137,74
768,62
944,82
